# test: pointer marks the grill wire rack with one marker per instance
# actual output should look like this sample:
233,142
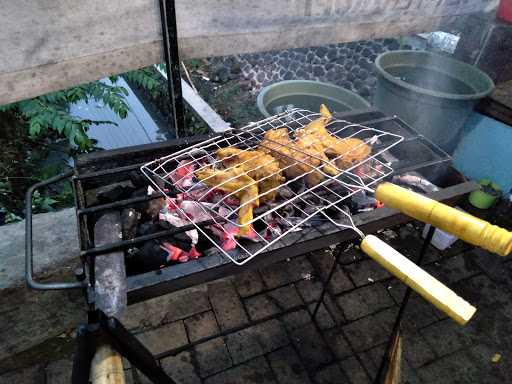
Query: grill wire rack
170,175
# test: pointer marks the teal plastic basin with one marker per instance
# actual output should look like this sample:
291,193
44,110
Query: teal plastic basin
434,94
307,94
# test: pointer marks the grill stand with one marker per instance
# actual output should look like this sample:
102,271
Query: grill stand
101,328
384,364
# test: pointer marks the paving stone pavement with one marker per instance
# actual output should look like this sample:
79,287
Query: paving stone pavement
257,327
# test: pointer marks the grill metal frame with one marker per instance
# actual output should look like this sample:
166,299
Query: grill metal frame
331,192
95,169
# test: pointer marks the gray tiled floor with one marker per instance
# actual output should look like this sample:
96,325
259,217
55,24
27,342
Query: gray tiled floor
269,335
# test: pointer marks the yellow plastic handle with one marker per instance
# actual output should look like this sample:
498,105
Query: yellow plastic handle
461,224
420,281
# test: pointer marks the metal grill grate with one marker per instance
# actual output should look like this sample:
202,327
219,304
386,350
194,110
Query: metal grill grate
331,181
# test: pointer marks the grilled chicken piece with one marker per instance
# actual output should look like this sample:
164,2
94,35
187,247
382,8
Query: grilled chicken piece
347,151
277,142
258,165
312,146
297,158
235,180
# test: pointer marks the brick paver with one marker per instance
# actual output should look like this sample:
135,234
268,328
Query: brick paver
212,357
309,289
364,333
268,335
311,347
59,372
31,375
323,262
332,374
256,340
227,306
365,272
416,350
201,325
181,368
287,367
249,283
295,320
272,302
455,368
445,337
355,371
338,344
286,272
256,371
364,301
164,338
323,318
165,309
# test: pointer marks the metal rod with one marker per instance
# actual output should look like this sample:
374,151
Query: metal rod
128,243
398,321
109,171
326,283
29,246
117,204
172,63
126,344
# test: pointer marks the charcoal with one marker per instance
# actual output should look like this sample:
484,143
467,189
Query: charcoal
114,192
260,226
298,186
129,220
165,225
287,211
138,179
151,209
149,258
139,192
204,243
285,192
147,228
360,201
310,209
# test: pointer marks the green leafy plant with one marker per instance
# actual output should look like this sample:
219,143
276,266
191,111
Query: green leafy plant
42,203
50,112
32,129
146,78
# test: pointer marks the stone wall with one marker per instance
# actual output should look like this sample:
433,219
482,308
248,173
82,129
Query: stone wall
349,65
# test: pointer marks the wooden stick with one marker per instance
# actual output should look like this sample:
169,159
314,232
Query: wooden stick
419,280
107,366
394,374
188,76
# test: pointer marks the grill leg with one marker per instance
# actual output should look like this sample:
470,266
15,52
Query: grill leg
84,352
326,283
384,364
130,347
110,330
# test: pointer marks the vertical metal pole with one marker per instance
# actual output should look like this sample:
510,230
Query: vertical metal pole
325,284
398,321
172,63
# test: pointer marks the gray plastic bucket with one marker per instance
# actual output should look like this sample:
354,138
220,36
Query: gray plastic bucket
433,93
308,95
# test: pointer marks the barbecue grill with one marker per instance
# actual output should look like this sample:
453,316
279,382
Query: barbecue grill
329,192
401,149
